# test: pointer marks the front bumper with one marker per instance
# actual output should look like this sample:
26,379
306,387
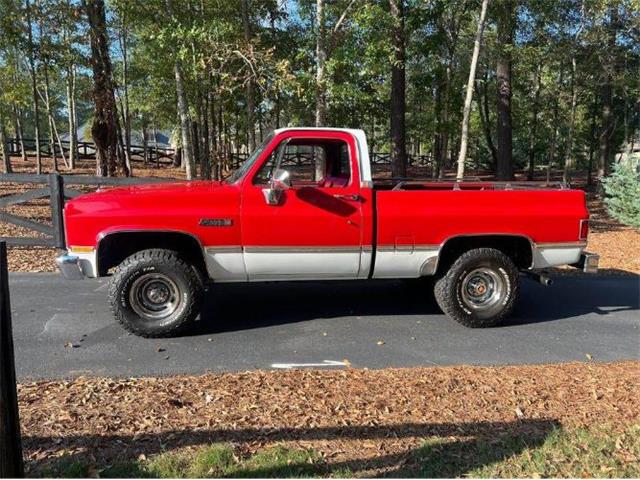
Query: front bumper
588,262
69,266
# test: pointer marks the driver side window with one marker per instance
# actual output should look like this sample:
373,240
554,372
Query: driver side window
321,163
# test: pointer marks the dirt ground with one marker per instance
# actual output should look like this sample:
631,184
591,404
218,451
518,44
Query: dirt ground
617,244
368,422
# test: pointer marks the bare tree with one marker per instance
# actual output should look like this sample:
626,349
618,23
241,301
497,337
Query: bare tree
464,136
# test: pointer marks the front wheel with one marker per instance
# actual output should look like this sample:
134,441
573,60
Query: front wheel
155,293
480,288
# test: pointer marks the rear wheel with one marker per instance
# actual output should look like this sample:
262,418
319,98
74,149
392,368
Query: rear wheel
155,293
480,288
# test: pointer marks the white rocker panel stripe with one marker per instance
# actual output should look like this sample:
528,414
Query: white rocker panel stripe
301,264
406,262
237,264
225,264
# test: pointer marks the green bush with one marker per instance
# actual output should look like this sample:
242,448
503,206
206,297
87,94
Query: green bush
623,194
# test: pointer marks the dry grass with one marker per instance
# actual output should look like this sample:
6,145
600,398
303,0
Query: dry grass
364,423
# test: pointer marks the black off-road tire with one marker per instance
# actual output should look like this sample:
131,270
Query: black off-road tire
451,299
182,277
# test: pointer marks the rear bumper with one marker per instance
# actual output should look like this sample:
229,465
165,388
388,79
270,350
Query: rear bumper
69,266
588,262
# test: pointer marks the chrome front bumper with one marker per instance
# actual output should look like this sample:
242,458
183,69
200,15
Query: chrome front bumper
588,262
69,266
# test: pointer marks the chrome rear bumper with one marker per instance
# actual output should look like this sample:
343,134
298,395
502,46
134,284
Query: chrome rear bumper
588,262
69,266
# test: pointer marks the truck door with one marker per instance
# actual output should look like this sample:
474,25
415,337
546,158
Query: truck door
314,230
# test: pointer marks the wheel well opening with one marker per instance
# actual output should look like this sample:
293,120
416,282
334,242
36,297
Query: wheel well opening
517,248
115,247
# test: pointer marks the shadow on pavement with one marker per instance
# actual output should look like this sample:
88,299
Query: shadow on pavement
234,307
453,448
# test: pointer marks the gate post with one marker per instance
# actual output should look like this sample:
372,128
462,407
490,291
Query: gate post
56,187
11,465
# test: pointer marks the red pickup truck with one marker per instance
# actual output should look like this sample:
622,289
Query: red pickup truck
304,206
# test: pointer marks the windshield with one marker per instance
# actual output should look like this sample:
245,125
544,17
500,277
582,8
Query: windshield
246,166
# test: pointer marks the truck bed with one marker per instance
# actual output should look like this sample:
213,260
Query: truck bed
428,213
436,184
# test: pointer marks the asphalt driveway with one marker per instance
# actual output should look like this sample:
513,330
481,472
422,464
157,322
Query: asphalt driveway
65,329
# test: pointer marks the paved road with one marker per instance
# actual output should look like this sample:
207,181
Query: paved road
255,326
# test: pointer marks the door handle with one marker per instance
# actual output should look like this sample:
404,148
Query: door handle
351,197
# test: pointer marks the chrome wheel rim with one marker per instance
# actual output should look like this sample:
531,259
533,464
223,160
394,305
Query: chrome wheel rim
154,296
482,290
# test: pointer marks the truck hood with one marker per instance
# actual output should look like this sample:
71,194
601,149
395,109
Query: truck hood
179,206
153,194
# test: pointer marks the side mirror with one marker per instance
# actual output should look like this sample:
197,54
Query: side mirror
280,181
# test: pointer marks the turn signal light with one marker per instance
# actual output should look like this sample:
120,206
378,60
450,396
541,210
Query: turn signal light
584,229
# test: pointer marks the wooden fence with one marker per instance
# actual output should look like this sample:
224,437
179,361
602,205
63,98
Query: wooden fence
11,465
55,188
378,159
87,150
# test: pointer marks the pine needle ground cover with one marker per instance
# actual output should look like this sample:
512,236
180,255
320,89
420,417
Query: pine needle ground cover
579,419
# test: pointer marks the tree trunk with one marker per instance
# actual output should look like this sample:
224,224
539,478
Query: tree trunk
195,135
126,115
19,133
485,119
73,131
47,106
246,23
321,59
443,129
213,144
183,111
556,124
53,130
592,138
533,129
464,135
398,91
34,88
607,126
6,159
503,73
205,159
105,128
145,143
568,158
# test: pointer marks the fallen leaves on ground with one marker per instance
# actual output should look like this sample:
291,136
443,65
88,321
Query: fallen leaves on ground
373,419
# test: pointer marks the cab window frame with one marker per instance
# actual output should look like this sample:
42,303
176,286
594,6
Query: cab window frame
342,143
